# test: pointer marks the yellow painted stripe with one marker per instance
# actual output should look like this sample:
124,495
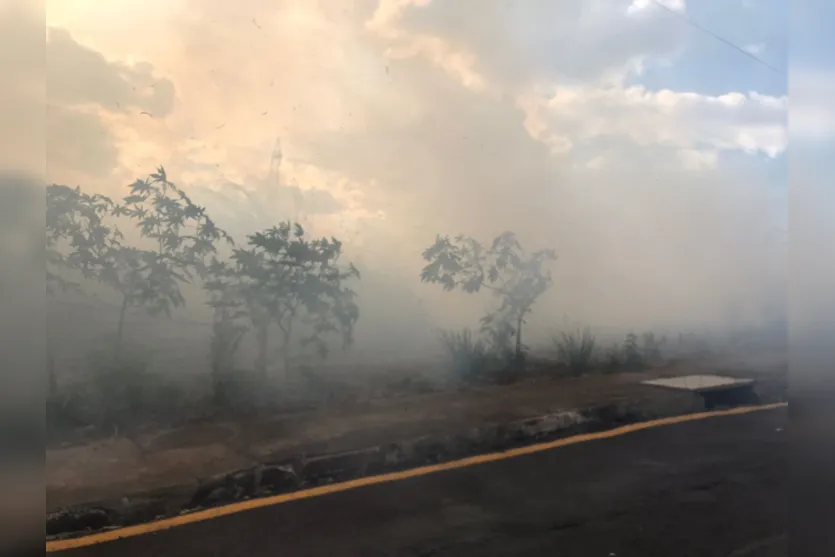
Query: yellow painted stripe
207,514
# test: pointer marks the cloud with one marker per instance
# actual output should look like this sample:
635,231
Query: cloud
755,49
638,6
752,123
79,76
546,43
80,143
539,39
87,97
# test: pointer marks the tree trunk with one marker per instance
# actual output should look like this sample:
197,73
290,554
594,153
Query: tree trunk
263,338
285,349
216,356
518,365
519,336
120,330
285,353
53,379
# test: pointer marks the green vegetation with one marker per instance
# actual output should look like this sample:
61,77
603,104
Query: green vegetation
297,285
468,355
514,277
175,235
576,350
288,295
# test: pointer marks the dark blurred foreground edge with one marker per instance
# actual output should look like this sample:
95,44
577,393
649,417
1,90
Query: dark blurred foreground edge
812,474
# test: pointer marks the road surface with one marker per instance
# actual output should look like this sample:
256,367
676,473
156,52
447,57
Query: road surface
713,487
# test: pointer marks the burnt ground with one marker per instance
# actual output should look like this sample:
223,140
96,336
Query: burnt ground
713,487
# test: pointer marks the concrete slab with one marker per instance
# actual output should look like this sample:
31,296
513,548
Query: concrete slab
699,383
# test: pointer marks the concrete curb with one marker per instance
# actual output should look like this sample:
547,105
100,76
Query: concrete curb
303,472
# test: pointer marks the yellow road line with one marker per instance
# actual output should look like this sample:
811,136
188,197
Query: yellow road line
199,516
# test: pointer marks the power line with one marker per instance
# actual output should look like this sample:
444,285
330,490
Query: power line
717,37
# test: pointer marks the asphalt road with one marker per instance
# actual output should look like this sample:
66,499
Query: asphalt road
714,487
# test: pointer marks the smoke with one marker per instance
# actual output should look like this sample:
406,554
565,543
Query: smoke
400,120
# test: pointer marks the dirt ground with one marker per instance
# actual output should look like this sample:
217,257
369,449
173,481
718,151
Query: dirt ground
119,468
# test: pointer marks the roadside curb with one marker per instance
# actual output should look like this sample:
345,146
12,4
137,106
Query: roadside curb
276,477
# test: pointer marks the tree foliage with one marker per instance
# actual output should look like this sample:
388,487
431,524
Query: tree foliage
179,241
296,284
516,278
78,236
633,358
228,323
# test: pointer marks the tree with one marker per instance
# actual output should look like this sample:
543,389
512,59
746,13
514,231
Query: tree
299,286
633,359
228,326
78,236
79,240
516,278
180,240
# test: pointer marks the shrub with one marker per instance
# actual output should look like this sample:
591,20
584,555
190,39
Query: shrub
576,350
467,354
515,277
227,335
633,358
245,392
66,411
126,391
613,359
651,347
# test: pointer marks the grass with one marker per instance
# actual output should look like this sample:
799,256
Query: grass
576,351
467,354
123,393
612,359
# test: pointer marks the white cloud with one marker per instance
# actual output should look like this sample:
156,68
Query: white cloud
750,123
756,49
613,47
538,39
638,6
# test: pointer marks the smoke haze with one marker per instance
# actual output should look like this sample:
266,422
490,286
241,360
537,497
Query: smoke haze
386,123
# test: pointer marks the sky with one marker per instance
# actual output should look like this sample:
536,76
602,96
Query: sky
649,154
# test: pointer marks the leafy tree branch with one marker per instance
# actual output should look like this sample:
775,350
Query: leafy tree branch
299,286
516,278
